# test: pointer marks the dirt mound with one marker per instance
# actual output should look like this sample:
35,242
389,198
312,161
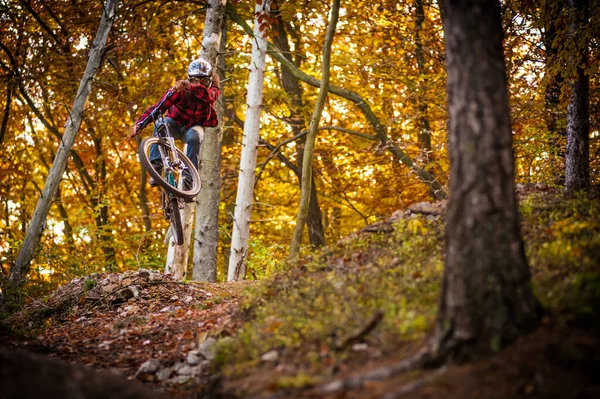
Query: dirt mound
121,321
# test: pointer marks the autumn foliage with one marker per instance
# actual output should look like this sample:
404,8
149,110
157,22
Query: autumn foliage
98,223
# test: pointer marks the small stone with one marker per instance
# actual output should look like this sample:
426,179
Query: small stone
188,299
193,357
185,370
360,347
174,298
397,215
270,356
179,380
164,373
208,348
148,367
143,273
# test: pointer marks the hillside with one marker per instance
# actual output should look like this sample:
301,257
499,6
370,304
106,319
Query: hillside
342,323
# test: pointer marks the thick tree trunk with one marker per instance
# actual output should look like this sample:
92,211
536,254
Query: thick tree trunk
486,299
307,179
245,190
36,227
577,162
206,233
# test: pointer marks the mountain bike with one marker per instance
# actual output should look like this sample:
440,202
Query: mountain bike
177,168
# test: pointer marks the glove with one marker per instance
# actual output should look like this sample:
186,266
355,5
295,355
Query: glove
133,132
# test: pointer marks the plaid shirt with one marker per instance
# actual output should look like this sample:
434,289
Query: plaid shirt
187,112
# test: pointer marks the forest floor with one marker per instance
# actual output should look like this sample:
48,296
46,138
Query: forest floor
340,324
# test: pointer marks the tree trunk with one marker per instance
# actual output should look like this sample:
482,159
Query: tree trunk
178,255
143,194
291,85
5,115
312,135
243,200
554,116
38,221
206,234
424,134
486,299
577,162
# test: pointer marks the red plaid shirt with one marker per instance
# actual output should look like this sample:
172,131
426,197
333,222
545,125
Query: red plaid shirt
187,112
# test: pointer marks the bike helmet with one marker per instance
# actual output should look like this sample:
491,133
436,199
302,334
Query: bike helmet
200,68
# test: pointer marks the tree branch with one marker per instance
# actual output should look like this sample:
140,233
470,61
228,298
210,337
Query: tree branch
380,130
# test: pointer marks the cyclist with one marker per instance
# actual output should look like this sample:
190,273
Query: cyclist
190,106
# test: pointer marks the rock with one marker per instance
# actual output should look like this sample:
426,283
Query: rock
193,357
185,370
164,373
397,215
427,208
144,273
148,367
270,356
179,380
188,299
208,348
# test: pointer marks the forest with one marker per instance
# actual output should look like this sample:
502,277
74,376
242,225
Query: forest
400,199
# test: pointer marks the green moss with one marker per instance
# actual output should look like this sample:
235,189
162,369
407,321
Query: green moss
310,309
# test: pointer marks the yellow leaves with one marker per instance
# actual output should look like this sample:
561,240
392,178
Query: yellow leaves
416,226
272,324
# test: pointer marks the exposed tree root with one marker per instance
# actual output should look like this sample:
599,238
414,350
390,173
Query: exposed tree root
414,385
420,360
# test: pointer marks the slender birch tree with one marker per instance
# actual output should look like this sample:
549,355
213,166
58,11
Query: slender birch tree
243,201
312,135
38,221
206,233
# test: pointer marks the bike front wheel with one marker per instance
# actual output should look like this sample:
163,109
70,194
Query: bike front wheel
172,176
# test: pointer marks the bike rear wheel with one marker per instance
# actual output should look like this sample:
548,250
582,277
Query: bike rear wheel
172,175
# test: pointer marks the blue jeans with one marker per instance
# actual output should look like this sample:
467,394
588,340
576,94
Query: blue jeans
191,137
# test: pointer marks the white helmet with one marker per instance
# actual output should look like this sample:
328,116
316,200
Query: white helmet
200,68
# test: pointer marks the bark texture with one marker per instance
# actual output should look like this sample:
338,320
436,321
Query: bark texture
38,221
206,233
245,189
486,297
577,161
307,180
